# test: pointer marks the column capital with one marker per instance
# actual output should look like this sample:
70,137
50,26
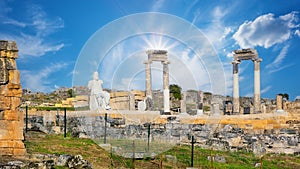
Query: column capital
257,60
235,62
165,62
147,62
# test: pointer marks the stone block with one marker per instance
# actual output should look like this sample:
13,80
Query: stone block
12,54
120,99
13,90
10,64
15,103
11,115
3,72
8,54
14,76
8,45
6,151
19,152
119,94
3,90
12,144
5,103
11,130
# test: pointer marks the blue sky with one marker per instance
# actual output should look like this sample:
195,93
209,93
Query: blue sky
52,35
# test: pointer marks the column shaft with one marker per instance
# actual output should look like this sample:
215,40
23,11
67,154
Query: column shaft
148,79
166,87
236,95
256,86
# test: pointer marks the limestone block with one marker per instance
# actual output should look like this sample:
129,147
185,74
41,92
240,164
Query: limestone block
12,144
6,151
12,54
8,54
11,115
11,130
3,72
3,90
139,97
19,152
119,94
138,93
3,53
15,103
5,103
10,64
1,117
8,45
14,90
14,76
119,99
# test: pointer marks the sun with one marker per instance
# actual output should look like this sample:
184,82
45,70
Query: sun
159,42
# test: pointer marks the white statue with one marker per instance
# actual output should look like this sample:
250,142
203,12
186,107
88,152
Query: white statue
98,97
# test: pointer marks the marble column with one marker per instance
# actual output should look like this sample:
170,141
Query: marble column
257,85
183,103
236,95
148,79
279,102
131,101
166,86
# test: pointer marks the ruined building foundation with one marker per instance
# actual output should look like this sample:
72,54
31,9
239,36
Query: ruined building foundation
160,56
11,119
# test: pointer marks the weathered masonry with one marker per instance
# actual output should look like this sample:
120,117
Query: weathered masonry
11,119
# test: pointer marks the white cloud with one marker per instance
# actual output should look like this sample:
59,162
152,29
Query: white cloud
190,7
43,24
297,32
276,65
266,30
15,23
38,80
157,5
264,90
32,37
32,45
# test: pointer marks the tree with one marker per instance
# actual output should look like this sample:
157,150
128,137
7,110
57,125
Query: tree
70,93
284,95
176,91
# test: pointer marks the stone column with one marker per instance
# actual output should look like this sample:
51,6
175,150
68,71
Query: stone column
148,79
279,102
131,101
166,86
183,103
235,88
11,118
257,85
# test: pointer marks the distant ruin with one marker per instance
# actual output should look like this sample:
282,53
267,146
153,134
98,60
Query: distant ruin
11,119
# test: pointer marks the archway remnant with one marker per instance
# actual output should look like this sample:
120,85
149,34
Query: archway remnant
246,54
160,56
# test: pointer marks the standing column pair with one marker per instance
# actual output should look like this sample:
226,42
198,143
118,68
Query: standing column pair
166,92
256,98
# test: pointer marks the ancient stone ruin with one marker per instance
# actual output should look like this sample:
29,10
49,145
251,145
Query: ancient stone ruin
11,119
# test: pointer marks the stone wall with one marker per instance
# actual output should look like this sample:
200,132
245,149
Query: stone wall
11,119
279,134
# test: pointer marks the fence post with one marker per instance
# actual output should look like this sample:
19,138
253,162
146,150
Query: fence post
192,155
65,122
148,146
26,118
105,126
133,155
